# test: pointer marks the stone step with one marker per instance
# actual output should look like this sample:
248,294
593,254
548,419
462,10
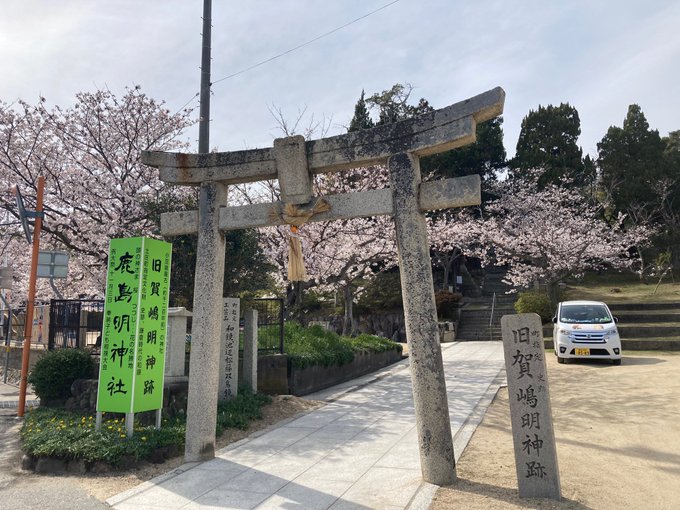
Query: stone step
614,307
649,317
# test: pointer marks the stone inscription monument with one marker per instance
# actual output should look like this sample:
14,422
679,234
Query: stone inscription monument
293,161
228,385
530,413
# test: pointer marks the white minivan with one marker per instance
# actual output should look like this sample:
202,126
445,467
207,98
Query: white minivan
586,329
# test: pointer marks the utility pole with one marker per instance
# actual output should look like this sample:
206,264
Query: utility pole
28,329
204,121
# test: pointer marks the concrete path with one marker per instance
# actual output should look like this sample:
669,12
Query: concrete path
9,397
359,451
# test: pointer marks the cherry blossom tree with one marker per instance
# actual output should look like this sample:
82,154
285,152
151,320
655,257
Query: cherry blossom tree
96,187
548,234
339,255
452,235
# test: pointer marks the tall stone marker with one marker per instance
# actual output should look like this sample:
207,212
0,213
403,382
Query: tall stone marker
250,349
293,161
538,475
228,385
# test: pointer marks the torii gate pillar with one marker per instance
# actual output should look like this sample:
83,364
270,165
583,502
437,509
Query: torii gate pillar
420,313
206,325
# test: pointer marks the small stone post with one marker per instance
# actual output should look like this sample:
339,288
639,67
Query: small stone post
422,331
228,385
206,326
250,350
175,349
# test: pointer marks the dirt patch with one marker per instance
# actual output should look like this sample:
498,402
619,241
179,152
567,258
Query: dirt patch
618,441
103,486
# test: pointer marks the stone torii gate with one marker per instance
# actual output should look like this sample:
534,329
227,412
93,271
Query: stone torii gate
293,161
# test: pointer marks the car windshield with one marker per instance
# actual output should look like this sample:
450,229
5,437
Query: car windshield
585,314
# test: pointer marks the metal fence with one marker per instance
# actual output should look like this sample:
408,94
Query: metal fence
269,323
13,322
75,323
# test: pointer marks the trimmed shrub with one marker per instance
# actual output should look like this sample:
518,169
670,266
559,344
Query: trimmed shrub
53,374
315,346
446,303
535,302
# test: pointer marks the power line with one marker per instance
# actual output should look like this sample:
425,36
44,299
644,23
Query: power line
305,43
187,103
292,49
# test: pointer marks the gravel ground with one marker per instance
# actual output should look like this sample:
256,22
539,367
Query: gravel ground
618,441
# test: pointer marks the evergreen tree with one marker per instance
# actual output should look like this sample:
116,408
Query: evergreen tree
631,161
485,157
246,268
392,104
361,119
547,141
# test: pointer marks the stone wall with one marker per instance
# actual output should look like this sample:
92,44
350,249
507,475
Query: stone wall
302,381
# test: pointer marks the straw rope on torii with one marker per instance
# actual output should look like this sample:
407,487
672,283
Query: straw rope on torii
292,161
296,216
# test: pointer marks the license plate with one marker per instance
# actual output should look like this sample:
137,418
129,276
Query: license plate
582,352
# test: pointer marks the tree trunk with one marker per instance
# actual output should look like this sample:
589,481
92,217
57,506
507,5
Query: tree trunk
553,292
348,324
447,270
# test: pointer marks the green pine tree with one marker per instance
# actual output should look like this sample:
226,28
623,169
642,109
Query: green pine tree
547,141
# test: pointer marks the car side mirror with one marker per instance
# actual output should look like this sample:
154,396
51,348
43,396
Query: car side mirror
616,319
555,319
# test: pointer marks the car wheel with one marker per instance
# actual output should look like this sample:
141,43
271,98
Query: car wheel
616,361
561,360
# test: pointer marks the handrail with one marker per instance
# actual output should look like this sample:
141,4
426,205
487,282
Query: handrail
493,307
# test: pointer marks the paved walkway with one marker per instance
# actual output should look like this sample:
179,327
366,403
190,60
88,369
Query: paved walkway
359,451
9,396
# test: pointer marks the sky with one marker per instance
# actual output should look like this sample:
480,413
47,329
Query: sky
599,56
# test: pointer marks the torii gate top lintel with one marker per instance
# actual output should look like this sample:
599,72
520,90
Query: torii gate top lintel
430,133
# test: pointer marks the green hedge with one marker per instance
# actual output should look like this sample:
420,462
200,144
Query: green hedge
315,346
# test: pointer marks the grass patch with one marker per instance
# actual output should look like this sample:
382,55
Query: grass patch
612,287
316,346
49,432
240,411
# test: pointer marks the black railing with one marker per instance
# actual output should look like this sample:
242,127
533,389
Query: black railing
75,323
269,323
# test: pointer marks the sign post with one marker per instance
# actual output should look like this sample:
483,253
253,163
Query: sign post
135,322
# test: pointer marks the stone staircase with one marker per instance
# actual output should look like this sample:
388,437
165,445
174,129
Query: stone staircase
642,326
480,317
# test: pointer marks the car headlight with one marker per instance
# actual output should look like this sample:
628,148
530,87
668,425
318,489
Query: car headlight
563,332
611,334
